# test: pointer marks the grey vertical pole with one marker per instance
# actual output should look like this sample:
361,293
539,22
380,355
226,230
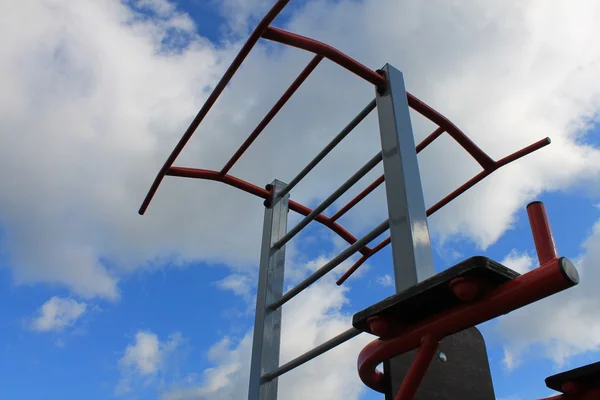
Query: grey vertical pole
464,354
267,323
411,248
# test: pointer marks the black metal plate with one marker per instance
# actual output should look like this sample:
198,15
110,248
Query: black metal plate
433,295
588,374
464,376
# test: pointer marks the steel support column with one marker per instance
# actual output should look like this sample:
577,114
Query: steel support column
267,322
413,257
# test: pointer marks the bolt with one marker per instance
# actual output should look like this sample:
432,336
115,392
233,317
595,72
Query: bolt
443,357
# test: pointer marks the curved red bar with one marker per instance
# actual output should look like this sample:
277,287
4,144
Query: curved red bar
237,61
453,195
264,194
272,112
325,50
542,282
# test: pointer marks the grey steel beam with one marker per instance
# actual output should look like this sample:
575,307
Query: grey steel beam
267,322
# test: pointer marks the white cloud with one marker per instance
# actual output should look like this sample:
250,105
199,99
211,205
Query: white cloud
519,262
58,313
316,313
563,325
146,357
92,106
240,285
385,280
109,106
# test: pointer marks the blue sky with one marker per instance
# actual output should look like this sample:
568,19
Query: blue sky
103,303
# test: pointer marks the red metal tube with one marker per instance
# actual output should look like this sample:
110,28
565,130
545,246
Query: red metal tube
418,368
331,53
429,139
264,194
426,142
485,173
362,260
358,198
237,61
479,155
454,194
272,112
542,234
551,278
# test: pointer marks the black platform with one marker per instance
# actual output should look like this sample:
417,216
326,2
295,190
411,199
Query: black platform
588,375
433,295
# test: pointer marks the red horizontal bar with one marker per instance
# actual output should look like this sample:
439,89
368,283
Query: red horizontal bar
483,174
237,61
362,260
418,368
272,112
331,53
453,195
358,198
479,155
264,194
523,290
428,140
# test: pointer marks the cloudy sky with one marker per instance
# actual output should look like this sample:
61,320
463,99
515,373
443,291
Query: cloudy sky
98,301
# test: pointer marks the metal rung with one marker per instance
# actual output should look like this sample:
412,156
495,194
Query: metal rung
340,258
329,201
336,140
309,355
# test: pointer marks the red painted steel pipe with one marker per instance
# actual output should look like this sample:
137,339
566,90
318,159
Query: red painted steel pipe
542,234
358,198
418,368
327,51
551,278
453,195
479,155
485,173
264,194
272,112
235,65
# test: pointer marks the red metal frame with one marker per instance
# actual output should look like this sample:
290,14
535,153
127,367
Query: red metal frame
546,280
321,50
549,278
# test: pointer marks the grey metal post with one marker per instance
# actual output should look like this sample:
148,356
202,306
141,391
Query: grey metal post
267,323
463,354
411,248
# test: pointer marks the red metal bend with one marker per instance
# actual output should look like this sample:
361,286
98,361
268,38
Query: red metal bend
418,368
331,53
479,155
264,194
453,195
523,290
272,112
237,61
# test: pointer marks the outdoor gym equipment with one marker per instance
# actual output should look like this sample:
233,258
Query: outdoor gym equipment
430,313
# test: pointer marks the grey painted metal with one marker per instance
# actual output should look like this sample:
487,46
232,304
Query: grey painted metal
336,140
334,262
411,247
309,355
372,163
267,322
